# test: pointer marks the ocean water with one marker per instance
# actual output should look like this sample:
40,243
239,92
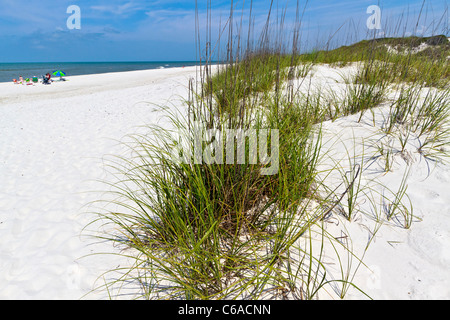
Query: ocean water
9,71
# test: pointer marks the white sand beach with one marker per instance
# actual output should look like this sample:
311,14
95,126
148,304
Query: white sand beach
53,139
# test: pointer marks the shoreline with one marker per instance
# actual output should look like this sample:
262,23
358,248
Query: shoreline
10,71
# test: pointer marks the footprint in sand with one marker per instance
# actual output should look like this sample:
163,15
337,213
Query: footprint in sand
431,194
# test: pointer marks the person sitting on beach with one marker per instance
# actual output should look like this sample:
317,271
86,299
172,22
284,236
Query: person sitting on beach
20,79
46,79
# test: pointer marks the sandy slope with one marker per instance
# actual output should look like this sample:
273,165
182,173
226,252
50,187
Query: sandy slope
52,142
397,263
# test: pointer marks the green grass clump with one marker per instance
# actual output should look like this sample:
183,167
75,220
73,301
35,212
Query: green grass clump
215,230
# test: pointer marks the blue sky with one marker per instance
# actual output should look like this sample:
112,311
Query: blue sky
164,30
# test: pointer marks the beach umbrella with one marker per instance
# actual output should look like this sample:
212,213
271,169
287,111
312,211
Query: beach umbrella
59,73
